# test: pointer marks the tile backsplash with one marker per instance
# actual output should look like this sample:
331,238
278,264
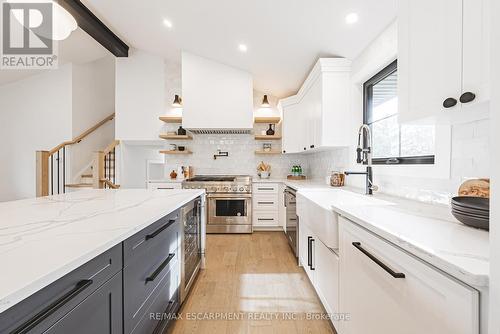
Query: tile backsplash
242,158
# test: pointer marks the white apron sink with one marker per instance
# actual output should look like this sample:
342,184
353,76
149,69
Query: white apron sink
314,208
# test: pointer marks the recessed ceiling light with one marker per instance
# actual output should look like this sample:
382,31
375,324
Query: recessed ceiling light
351,18
167,23
243,48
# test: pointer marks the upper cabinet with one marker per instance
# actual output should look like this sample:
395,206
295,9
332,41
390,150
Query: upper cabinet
314,118
443,57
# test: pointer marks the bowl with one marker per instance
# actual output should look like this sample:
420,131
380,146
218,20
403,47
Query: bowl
482,223
482,215
264,175
470,211
476,203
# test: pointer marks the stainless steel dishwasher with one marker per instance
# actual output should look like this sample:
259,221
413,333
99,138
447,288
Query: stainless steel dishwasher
292,220
191,249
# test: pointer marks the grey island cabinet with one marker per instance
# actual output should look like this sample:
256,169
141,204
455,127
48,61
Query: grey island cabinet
133,287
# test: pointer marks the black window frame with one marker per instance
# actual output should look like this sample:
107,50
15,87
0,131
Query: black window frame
367,99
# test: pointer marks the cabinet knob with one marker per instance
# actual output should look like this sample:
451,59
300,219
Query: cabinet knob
284,151
311,146
305,148
450,102
467,97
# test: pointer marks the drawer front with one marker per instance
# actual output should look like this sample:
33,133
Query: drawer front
265,219
163,304
265,203
144,272
150,237
387,290
265,188
48,305
100,313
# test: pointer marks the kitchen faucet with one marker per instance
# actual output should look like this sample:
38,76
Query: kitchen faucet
364,156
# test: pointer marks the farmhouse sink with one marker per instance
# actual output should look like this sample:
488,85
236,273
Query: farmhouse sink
314,208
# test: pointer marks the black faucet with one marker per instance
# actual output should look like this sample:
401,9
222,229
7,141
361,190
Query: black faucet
364,156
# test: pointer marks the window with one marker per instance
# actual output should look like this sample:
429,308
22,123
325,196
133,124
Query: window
393,143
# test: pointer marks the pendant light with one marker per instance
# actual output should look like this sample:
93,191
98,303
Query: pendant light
177,102
265,102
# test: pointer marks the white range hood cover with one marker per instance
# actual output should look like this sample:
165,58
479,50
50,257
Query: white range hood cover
217,99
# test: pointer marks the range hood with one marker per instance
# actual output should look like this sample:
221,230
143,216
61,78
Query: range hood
217,99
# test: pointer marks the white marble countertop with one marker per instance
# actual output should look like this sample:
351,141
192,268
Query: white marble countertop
425,230
43,239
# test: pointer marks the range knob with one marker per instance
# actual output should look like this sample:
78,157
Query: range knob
242,188
235,189
226,188
213,189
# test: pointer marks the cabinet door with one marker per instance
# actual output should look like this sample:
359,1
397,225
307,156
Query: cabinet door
306,251
429,57
101,312
476,50
422,301
327,277
291,129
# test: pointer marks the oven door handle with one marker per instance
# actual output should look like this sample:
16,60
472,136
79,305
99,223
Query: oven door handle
230,196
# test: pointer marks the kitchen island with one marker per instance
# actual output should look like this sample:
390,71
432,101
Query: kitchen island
44,240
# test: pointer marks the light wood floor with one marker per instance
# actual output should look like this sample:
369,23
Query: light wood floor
251,277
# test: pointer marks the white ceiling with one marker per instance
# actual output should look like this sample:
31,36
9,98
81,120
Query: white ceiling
284,37
78,48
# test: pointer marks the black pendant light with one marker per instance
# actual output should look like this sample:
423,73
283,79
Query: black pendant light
177,102
265,102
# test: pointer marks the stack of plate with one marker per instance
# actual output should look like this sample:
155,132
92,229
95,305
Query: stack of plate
472,211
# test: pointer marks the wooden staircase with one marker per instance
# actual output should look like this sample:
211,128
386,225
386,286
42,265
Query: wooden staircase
51,167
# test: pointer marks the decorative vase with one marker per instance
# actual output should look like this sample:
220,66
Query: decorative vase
181,131
173,174
270,131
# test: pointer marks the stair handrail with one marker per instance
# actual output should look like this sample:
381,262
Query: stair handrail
44,162
84,134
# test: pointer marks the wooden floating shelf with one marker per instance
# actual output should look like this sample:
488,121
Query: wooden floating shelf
171,119
266,137
175,152
267,152
268,120
176,137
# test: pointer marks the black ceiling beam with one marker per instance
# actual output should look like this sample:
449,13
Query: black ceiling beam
95,28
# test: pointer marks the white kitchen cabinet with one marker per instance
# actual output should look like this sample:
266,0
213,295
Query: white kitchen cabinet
386,290
306,251
266,206
318,116
321,265
442,54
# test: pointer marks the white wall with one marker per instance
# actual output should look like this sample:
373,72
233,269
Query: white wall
495,195
35,114
93,100
140,96
467,142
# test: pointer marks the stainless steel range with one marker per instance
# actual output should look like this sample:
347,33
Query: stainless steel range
229,201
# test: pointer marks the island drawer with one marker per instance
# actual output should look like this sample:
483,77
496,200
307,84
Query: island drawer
41,310
162,306
144,284
150,237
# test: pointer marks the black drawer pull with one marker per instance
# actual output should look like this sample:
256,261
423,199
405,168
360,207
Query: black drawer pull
265,202
265,188
450,102
312,252
158,231
467,97
265,219
160,268
377,261
52,308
